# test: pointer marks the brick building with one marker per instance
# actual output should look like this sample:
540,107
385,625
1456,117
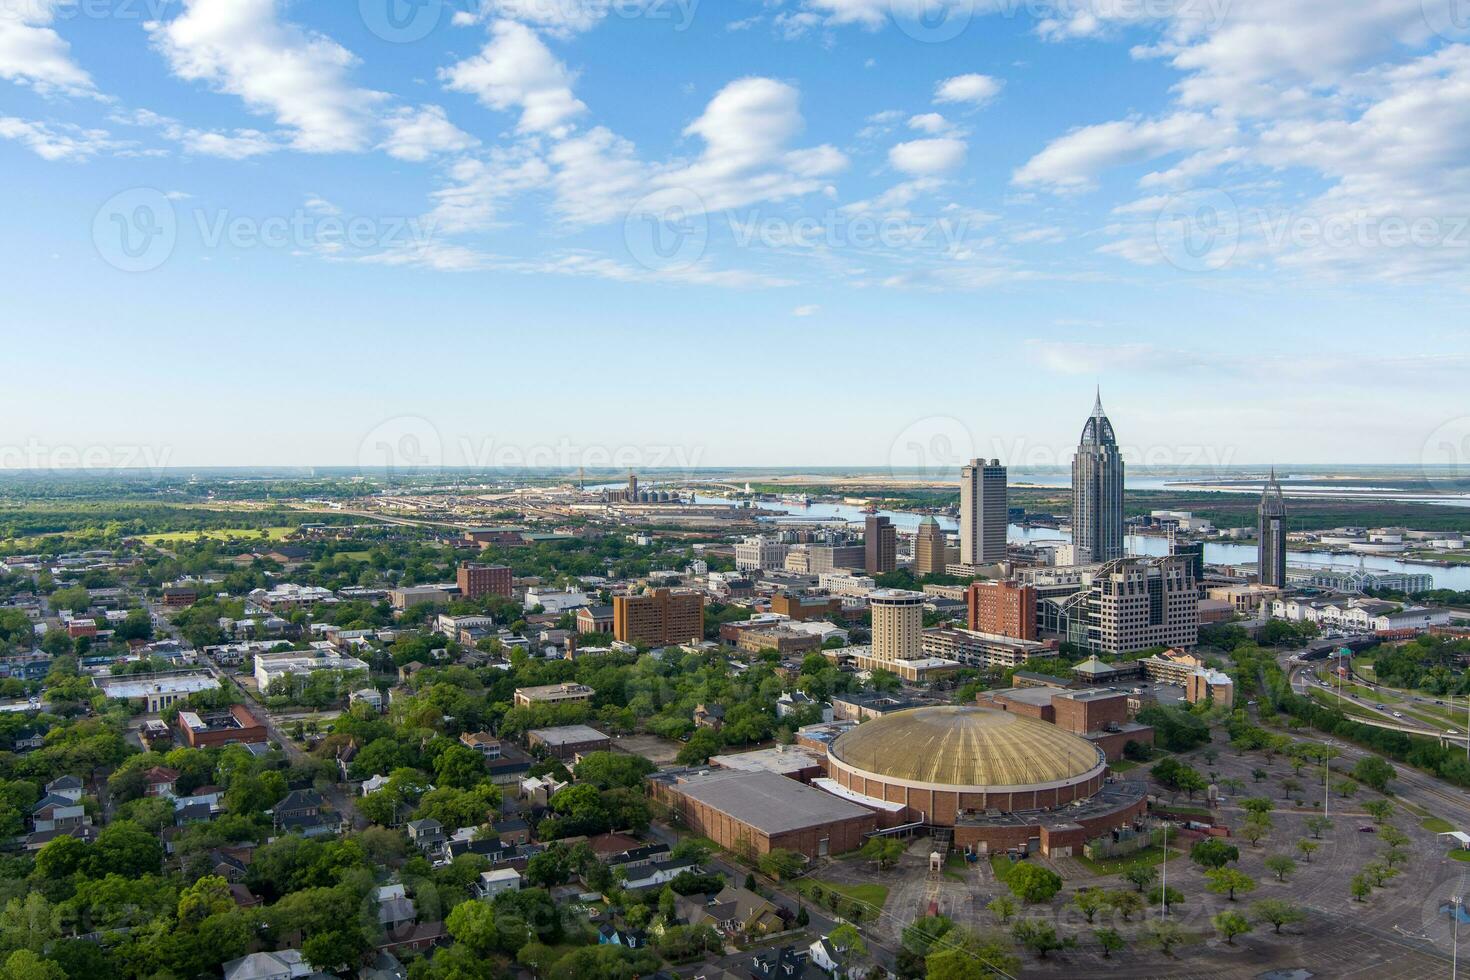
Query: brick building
659,618
235,726
1005,608
477,580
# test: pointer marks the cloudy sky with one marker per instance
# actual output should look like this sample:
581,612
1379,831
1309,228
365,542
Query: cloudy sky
744,232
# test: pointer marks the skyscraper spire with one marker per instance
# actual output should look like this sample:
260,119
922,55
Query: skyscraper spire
1097,491
1271,534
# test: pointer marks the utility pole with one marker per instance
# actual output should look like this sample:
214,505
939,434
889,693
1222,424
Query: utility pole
1164,876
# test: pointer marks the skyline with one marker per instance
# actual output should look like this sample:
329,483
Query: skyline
590,205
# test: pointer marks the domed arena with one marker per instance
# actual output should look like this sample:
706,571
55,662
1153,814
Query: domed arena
1000,780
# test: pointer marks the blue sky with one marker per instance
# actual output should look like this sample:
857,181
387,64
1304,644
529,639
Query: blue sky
814,232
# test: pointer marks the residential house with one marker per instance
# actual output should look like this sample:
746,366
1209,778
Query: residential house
733,912
159,781
303,811
54,812
283,964
496,882
709,716
427,834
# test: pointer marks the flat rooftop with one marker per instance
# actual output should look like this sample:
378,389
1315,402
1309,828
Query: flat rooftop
781,759
768,802
567,734
138,686
1112,797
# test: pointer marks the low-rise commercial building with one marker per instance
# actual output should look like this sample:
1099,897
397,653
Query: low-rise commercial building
755,812
237,726
566,693
568,741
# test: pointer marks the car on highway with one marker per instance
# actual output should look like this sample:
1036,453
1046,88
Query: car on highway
1365,830
1398,714
1450,731
1378,706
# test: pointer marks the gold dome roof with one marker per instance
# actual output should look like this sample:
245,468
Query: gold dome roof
966,747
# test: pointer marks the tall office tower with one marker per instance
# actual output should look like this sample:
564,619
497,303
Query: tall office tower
982,512
880,543
659,618
898,624
1097,492
1271,533
929,553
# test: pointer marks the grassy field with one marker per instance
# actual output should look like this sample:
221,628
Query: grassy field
1435,825
867,894
1001,865
1458,854
219,534
1112,866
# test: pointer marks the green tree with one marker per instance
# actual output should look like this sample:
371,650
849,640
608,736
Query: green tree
884,850
1306,848
1212,852
1165,935
460,767
781,863
1280,865
1345,787
1003,907
26,965
1277,912
1374,771
1319,825
1090,901
1110,940
1033,883
1038,936
1140,876
1166,895
1255,829
1379,810
1360,887
1230,924
1228,881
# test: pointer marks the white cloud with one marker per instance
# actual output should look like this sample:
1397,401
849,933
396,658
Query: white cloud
516,70
747,129
806,309
930,122
238,144
57,142
241,47
561,18
32,53
929,156
480,188
418,134
973,89
1073,162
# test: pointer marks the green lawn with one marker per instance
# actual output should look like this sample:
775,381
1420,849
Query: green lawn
219,534
1001,865
1112,866
1459,854
871,894
1122,765
1436,825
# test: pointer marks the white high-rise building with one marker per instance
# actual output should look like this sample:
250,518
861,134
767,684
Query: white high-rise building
983,512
